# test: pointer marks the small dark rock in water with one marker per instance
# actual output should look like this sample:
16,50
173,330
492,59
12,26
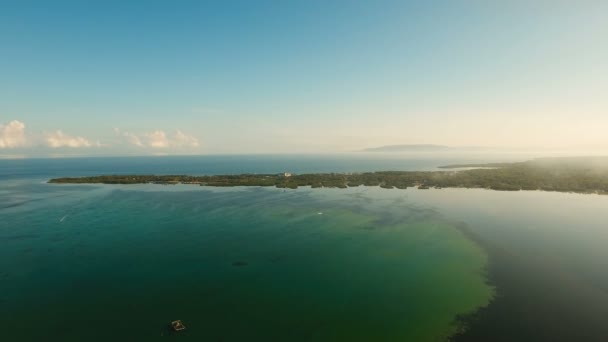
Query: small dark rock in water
239,263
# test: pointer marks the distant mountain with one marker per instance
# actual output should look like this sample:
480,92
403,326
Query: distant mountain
408,148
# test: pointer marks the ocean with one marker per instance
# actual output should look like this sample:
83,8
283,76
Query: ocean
120,262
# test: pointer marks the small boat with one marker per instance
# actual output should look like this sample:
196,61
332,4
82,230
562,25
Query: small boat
178,325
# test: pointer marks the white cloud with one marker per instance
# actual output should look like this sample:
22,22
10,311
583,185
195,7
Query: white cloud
12,134
133,139
159,139
59,139
182,139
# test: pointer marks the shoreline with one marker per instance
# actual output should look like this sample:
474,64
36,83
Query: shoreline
211,187
555,175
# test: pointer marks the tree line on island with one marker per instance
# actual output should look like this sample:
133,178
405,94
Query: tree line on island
581,175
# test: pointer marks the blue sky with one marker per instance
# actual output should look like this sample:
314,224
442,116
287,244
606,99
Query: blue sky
175,77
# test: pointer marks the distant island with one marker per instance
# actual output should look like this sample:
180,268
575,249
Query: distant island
581,175
408,148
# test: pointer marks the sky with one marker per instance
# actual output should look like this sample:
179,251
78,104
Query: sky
213,77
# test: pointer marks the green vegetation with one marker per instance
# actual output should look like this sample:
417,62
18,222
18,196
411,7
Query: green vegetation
582,175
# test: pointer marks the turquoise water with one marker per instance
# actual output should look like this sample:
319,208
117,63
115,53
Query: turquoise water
243,264
120,262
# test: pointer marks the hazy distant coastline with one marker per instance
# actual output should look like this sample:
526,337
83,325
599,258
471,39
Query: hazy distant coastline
408,148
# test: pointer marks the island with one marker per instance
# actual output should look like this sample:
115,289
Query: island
580,175
408,148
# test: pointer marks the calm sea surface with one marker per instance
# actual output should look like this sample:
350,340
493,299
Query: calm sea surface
104,262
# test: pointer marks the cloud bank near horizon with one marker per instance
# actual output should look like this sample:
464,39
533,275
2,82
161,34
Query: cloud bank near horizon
13,136
159,139
58,139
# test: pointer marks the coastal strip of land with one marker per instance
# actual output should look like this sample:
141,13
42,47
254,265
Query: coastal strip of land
580,175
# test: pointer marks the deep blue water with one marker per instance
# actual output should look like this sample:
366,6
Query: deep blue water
236,164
